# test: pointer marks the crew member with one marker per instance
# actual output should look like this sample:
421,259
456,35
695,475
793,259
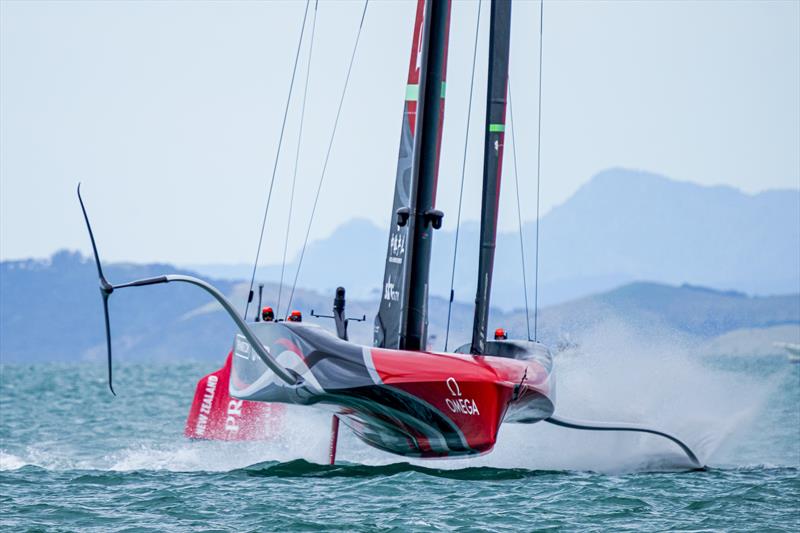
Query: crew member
267,314
295,316
500,334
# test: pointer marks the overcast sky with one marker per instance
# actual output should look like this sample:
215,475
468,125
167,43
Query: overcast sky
169,113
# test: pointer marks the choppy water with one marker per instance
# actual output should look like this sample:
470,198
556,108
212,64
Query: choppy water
74,458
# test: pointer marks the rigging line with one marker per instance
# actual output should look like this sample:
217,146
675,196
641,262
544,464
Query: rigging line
297,152
327,156
463,173
538,179
519,212
277,157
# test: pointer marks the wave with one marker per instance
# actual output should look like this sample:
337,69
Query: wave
11,462
303,468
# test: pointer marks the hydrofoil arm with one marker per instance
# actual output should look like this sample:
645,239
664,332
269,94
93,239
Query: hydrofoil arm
107,288
621,426
230,309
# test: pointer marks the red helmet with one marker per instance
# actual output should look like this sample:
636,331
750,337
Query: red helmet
267,314
295,316
500,334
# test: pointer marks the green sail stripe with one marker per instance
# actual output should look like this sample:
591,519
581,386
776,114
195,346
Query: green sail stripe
497,128
412,91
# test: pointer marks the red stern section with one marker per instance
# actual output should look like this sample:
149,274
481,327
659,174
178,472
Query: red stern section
216,416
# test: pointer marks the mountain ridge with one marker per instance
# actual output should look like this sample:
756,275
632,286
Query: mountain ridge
51,310
621,226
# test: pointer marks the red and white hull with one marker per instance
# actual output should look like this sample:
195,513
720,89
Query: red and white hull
419,404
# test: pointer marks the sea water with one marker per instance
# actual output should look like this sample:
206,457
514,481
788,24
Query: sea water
75,458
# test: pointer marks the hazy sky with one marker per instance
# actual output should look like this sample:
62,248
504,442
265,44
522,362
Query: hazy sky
169,112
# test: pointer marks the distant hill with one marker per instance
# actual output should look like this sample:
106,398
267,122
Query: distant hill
696,311
50,310
622,226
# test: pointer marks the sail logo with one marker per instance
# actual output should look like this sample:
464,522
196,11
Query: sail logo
389,292
397,248
458,404
418,56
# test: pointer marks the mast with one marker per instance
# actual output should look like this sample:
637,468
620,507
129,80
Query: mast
499,45
423,218
402,318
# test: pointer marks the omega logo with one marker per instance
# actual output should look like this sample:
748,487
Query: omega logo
452,384
465,406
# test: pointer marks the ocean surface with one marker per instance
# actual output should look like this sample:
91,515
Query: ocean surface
75,458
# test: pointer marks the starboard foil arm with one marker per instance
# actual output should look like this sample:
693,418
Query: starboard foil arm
107,288
622,426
